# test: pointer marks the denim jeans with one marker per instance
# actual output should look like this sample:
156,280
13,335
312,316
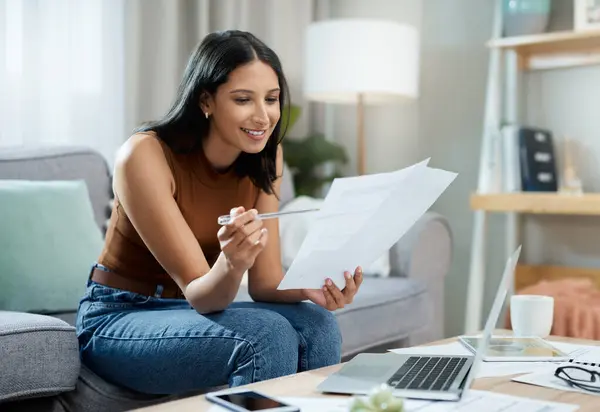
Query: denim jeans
155,345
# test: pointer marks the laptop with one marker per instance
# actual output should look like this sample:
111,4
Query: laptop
432,377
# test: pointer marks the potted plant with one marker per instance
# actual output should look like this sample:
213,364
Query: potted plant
307,157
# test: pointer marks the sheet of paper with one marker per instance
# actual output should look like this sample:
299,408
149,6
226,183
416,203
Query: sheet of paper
580,353
476,401
472,401
361,218
494,369
329,404
357,198
548,380
487,369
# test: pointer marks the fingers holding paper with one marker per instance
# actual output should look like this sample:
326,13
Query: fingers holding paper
352,284
331,297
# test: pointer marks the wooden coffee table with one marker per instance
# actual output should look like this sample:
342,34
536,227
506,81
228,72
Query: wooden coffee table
304,384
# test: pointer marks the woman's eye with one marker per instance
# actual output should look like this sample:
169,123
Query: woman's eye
272,100
242,100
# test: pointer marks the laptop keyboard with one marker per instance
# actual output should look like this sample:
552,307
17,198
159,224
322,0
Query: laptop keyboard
428,373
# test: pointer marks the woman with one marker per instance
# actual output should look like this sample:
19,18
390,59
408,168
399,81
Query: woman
157,316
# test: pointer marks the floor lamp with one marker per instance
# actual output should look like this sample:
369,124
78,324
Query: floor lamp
361,62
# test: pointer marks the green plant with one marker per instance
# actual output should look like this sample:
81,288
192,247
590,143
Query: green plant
290,116
306,156
381,400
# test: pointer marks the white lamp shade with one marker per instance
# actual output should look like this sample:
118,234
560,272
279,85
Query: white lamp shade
347,57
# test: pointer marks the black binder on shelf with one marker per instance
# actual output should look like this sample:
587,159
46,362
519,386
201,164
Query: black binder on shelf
537,160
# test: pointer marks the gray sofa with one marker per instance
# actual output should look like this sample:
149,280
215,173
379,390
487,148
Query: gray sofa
41,367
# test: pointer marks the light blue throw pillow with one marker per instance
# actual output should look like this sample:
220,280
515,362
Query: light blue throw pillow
48,241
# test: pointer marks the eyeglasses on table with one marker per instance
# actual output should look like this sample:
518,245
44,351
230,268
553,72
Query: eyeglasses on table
579,377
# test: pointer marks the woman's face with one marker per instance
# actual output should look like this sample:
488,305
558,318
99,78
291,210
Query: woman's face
245,110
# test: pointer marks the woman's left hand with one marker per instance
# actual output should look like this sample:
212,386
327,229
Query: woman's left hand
331,297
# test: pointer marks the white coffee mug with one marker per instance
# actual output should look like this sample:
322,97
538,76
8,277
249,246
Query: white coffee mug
531,315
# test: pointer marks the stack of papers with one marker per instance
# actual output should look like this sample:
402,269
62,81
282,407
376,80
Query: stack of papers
360,219
583,355
547,379
580,353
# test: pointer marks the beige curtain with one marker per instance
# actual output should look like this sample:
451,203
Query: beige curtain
161,34
61,73
88,72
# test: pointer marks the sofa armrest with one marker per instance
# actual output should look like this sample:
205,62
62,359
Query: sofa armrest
40,356
424,253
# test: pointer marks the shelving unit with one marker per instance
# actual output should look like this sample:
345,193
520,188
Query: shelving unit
538,203
509,59
553,50
527,275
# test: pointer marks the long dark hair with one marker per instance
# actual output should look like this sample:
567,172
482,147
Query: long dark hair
184,126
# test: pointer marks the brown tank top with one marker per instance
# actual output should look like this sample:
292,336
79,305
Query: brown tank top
202,195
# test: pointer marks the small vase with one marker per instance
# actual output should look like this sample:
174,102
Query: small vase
524,17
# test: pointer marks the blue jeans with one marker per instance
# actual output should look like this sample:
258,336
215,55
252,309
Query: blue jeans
163,346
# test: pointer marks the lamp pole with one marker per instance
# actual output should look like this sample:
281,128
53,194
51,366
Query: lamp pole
360,133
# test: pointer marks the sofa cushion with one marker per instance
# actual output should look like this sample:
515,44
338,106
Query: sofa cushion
384,310
69,317
287,190
40,356
49,239
34,162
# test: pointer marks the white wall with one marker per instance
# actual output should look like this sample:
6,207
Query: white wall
454,71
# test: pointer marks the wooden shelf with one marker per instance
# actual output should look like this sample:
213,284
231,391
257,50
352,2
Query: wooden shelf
538,203
527,275
553,50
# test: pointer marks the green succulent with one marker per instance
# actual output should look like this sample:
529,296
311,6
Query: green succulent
289,116
380,400
304,156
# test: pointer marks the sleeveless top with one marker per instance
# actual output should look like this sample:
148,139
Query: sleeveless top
202,195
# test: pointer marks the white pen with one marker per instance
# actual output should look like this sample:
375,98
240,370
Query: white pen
223,220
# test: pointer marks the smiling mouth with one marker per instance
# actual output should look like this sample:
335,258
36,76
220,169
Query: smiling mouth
255,133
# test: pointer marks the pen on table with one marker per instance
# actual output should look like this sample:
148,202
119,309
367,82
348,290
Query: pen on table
223,220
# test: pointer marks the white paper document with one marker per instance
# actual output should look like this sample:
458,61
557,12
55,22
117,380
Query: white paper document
478,401
584,355
360,219
547,379
580,353
473,401
486,369
329,404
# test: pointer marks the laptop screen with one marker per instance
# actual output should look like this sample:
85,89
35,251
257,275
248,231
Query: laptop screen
507,277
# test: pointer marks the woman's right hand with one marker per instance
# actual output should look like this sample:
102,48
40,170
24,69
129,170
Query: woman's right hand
243,238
